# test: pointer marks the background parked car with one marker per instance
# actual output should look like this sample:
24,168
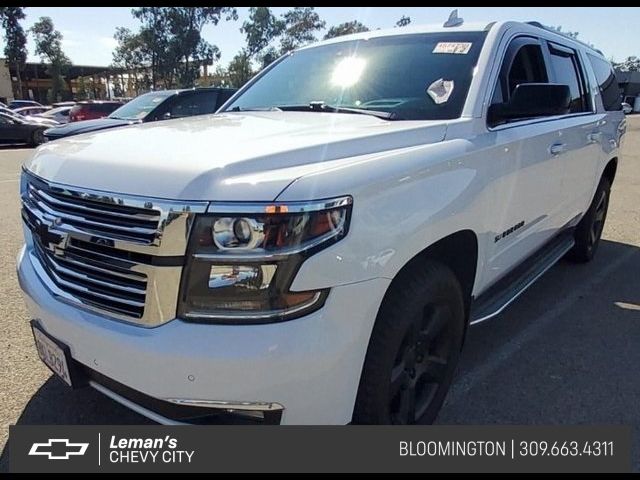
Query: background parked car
23,103
63,104
47,122
59,114
31,110
15,129
150,107
92,109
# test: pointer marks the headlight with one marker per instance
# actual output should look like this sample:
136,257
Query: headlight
244,258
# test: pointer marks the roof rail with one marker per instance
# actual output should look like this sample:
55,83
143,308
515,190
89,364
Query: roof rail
548,29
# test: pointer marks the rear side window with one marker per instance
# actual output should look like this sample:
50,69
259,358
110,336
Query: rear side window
566,68
607,83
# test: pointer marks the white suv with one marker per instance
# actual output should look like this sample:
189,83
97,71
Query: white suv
314,253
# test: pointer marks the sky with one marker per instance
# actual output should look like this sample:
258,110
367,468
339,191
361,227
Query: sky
88,31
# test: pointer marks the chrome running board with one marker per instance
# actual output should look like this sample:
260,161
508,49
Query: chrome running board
501,294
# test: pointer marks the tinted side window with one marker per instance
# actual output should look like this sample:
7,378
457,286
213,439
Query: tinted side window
526,66
194,104
566,68
223,97
101,107
108,107
607,83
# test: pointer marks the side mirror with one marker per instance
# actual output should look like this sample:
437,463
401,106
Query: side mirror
531,100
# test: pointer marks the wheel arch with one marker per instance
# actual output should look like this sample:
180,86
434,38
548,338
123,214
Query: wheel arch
610,170
458,251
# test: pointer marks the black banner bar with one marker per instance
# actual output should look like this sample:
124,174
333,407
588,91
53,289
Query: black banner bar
84,448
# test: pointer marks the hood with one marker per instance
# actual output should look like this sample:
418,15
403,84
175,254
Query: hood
85,126
228,157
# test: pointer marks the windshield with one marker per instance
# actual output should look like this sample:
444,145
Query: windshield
415,77
139,107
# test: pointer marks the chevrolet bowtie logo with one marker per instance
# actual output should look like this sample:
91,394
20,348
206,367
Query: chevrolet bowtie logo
58,449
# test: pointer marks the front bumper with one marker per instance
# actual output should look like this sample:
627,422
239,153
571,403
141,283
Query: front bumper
310,365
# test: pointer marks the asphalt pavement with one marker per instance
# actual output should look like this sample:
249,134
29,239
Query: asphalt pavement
566,352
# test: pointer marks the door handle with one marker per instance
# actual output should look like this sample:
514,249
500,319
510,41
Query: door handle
557,148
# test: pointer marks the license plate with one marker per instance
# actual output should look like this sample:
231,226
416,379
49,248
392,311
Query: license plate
53,353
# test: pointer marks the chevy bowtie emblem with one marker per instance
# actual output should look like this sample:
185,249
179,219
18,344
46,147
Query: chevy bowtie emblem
58,449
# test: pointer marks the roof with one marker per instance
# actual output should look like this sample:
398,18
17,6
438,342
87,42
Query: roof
408,30
465,27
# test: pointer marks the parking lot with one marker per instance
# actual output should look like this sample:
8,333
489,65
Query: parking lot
566,352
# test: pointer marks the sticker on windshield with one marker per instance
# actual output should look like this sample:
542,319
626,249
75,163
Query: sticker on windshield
456,48
440,90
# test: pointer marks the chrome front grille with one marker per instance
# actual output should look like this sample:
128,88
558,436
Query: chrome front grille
121,256
96,214
97,279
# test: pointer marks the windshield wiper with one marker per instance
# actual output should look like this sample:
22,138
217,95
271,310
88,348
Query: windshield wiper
323,107
254,109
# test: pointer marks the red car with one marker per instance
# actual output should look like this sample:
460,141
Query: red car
91,110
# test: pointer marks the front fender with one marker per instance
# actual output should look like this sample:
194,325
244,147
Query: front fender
403,201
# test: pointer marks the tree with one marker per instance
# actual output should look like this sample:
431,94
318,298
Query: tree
346,28
240,70
48,42
301,24
219,78
260,30
404,21
15,49
153,41
170,41
631,64
131,55
187,46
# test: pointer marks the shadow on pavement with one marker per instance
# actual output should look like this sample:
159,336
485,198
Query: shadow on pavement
566,352
56,404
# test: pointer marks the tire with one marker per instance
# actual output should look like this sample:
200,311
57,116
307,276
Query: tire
414,348
589,231
37,138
